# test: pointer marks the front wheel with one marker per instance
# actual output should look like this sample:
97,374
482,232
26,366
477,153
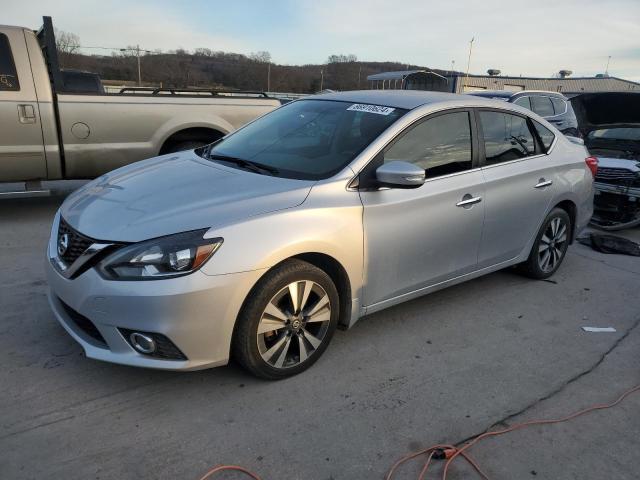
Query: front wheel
550,246
287,321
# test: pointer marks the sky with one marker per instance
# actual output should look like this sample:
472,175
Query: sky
517,37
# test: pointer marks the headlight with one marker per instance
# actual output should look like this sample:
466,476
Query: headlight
163,257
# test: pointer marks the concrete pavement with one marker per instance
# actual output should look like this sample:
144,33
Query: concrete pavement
496,350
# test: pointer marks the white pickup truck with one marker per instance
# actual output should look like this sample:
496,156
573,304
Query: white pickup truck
51,133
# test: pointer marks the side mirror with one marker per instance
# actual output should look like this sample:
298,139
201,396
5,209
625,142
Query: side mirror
399,174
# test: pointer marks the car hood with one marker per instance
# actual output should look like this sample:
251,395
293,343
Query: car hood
175,193
606,110
619,163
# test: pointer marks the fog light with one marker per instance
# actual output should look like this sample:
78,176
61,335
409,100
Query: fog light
142,343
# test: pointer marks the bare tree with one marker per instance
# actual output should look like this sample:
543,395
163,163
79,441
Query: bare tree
342,58
203,52
262,57
67,44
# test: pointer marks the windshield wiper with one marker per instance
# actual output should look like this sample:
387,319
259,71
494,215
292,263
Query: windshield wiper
246,164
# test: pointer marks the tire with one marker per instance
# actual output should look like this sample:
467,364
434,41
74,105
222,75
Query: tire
553,238
299,335
186,145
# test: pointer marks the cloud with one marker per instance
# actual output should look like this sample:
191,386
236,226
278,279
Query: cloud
119,24
518,37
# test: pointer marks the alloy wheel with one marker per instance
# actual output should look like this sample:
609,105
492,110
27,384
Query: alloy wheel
552,245
293,324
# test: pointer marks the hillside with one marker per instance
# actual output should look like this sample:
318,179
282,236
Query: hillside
205,68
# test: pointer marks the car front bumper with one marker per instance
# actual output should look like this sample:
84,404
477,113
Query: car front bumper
196,313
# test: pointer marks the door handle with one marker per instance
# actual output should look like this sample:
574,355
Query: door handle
26,113
543,183
468,200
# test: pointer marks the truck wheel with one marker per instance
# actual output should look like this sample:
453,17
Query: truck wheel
550,247
187,145
287,321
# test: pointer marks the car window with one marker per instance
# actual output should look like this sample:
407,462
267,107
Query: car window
559,106
506,137
440,145
546,135
81,82
523,102
542,106
308,139
8,74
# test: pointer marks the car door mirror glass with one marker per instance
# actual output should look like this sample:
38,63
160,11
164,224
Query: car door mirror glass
400,174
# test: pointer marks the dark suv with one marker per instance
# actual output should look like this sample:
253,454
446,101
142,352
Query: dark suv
552,106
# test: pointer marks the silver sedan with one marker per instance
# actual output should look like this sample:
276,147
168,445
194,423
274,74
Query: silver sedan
327,209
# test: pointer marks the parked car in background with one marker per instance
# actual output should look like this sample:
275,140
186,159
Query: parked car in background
327,209
60,124
552,106
610,124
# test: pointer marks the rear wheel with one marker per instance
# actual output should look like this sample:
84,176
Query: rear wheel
550,246
287,321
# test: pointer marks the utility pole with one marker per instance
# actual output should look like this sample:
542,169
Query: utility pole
269,77
137,51
464,84
359,72
139,74
321,79
606,70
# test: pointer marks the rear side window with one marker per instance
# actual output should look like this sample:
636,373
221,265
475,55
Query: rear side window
8,74
506,137
523,102
559,106
546,135
542,106
440,145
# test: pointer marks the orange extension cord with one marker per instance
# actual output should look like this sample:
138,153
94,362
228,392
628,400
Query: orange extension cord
451,452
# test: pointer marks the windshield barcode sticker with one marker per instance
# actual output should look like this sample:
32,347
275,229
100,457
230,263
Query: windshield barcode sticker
377,109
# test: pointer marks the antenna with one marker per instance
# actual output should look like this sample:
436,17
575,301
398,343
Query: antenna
468,63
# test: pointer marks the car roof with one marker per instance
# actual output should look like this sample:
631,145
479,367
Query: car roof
407,99
510,94
492,93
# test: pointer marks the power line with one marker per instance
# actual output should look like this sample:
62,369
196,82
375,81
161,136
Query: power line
127,49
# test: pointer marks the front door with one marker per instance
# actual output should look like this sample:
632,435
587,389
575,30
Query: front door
21,146
415,238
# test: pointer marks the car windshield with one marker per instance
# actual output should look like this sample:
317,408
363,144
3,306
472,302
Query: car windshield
306,139
629,133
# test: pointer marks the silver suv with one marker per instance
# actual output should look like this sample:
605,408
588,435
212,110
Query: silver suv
552,106
327,209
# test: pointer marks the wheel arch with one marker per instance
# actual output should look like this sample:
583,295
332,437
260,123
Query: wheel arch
572,210
332,267
204,133
338,275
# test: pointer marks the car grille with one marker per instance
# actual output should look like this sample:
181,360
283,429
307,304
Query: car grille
605,173
77,243
84,324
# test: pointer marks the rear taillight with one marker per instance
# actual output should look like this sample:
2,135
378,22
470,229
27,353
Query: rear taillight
592,163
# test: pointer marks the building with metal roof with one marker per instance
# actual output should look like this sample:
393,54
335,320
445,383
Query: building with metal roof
409,80
460,83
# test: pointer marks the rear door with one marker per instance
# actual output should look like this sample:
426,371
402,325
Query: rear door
22,154
518,184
